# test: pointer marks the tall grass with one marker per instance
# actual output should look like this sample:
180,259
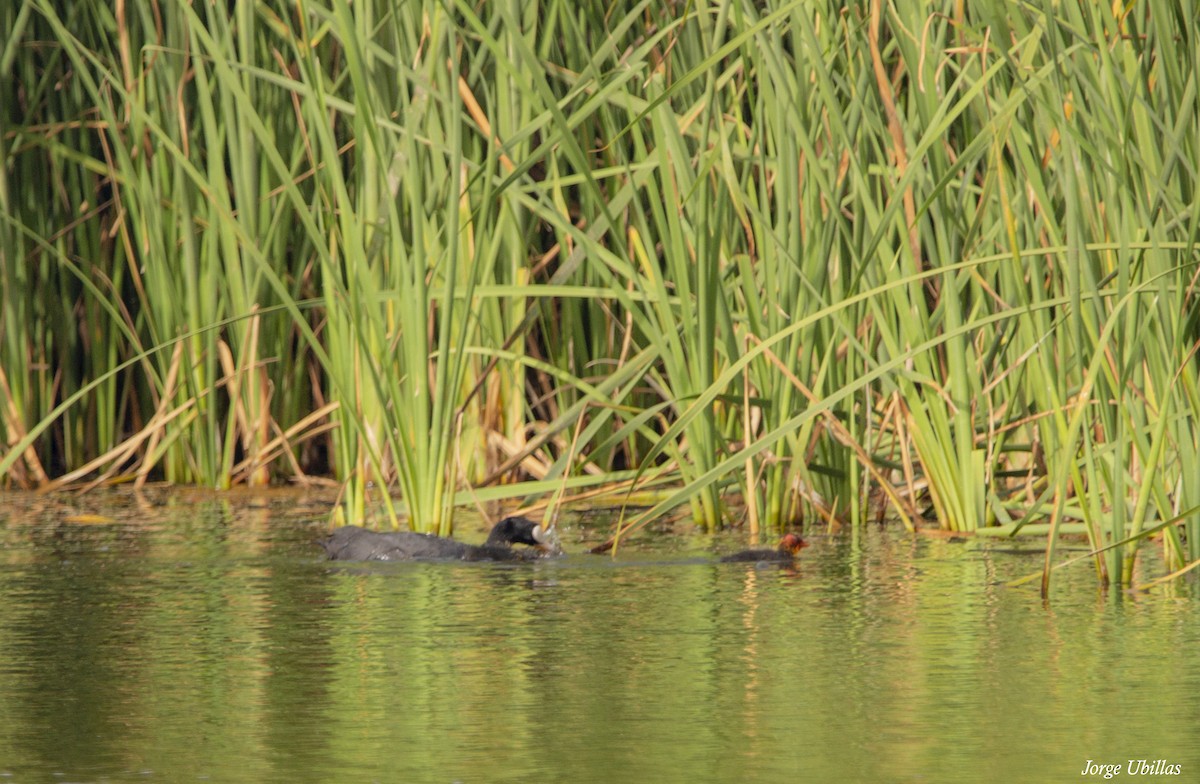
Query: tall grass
813,262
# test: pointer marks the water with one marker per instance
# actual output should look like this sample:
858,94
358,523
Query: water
193,638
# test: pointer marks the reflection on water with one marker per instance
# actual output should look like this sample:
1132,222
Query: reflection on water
214,644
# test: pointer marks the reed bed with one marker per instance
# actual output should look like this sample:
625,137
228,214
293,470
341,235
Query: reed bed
837,262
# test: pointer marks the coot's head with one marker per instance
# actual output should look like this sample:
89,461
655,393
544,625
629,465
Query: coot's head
790,543
521,530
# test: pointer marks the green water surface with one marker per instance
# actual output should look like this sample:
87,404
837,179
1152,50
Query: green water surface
204,639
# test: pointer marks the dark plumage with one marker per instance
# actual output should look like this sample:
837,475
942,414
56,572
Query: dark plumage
789,545
351,543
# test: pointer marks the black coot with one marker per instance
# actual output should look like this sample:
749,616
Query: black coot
351,543
789,545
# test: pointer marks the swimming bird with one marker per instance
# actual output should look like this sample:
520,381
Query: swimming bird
352,543
789,546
